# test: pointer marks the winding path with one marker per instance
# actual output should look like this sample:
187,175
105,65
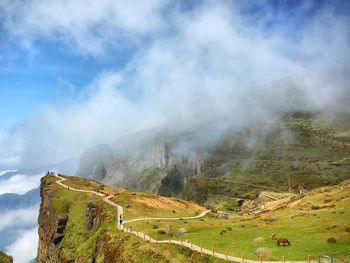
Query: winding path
147,238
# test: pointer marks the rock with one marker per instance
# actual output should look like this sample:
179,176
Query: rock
347,229
181,231
261,250
210,202
258,239
48,226
61,224
331,240
221,216
93,220
272,218
161,232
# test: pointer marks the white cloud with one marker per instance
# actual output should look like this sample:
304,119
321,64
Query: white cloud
19,218
20,183
25,247
88,27
217,64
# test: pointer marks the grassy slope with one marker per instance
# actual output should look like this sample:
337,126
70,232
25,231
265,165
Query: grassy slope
307,229
82,245
282,159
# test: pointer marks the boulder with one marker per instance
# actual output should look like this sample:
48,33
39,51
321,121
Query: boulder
221,216
272,218
181,231
258,239
261,250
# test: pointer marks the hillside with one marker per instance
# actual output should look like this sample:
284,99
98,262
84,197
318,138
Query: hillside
302,150
316,224
80,227
15,201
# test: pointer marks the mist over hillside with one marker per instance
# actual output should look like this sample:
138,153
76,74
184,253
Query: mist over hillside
213,62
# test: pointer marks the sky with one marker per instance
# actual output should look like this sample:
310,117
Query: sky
77,73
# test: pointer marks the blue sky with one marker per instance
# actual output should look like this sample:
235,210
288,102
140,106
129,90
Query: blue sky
103,69
29,78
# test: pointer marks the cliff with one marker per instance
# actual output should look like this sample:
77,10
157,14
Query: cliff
298,150
80,227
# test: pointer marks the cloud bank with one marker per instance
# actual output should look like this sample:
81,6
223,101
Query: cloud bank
20,183
19,218
24,248
213,60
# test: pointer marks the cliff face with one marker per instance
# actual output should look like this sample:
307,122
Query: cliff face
144,164
80,227
299,150
51,226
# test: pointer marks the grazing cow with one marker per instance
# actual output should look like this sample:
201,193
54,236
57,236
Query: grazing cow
283,241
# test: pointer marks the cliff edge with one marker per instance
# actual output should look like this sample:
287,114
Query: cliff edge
80,227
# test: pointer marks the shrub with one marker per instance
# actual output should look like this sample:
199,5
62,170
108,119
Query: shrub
161,232
331,240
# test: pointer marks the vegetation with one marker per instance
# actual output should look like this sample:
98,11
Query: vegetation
5,258
106,241
307,229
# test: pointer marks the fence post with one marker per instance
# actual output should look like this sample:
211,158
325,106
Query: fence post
260,258
213,252
191,245
143,236
284,259
226,255
201,248
308,258
181,241
242,258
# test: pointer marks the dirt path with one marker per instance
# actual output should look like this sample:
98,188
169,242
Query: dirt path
146,237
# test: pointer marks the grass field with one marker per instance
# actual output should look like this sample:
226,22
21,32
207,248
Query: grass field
82,245
307,223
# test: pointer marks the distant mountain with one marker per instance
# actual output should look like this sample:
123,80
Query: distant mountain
15,201
7,175
301,150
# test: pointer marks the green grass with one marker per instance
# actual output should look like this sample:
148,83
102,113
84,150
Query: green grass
307,230
82,245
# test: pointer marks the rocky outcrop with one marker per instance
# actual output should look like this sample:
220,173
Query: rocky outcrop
5,258
93,163
51,227
93,218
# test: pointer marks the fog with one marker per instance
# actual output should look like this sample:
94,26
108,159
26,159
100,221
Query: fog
20,183
213,61
24,249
